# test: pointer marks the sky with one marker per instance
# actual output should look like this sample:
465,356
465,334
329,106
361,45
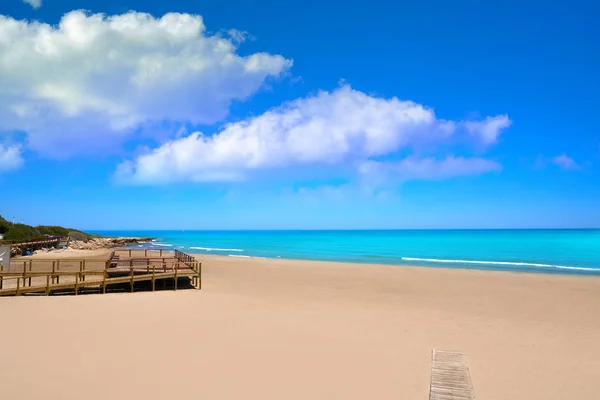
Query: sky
312,115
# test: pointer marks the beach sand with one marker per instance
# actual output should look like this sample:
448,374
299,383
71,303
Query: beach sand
278,329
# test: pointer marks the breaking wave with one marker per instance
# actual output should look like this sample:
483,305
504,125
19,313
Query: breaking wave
506,263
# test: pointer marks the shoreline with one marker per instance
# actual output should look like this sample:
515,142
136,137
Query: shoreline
348,264
203,257
538,251
550,270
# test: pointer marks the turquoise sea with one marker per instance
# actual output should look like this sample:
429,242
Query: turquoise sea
549,251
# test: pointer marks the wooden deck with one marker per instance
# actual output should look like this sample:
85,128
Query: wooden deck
48,276
450,378
34,244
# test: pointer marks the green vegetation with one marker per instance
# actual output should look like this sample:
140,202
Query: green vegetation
4,226
22,232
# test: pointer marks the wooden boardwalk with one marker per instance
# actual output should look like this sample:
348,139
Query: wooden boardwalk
38,243
44,276
450,378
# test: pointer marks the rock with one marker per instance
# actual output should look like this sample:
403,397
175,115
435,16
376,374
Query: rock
105,243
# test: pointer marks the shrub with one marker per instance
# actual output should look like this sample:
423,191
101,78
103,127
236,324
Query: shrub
4,225
22,232
53,230
77,235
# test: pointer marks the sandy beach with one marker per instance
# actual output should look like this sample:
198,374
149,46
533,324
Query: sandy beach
279,329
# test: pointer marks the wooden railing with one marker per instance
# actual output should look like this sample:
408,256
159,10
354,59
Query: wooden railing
37,240
183,257
132,252
123,271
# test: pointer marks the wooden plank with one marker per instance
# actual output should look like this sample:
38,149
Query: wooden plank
450,377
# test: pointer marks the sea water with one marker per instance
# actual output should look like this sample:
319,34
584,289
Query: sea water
550,251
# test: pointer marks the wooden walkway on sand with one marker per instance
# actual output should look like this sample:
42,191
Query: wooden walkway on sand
47,276
34,244
450,378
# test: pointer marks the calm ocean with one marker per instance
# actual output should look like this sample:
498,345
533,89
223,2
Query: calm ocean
553,251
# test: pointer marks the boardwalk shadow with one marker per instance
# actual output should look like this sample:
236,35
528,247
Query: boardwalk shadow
183,283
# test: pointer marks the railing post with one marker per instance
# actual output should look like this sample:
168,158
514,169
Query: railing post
176,269
131,272
153,277
53,270
76,282
83,269
30,267
57,270
1,276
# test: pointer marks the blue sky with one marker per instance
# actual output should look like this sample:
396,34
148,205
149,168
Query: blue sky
275,115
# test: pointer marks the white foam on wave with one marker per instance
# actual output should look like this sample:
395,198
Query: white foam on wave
238,256
215,249
508,263
161,244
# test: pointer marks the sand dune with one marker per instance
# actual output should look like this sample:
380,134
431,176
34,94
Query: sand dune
276,329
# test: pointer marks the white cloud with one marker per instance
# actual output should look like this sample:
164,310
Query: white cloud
489,129
565,162
429,168
341,127
94,79
10,157
33,3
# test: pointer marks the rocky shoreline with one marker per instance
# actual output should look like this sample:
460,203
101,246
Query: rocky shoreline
106,242
99,243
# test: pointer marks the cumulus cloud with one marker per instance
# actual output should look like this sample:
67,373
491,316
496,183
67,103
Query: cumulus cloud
93,79
489,129
565,162
10,157
429,168
340,127
33,3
